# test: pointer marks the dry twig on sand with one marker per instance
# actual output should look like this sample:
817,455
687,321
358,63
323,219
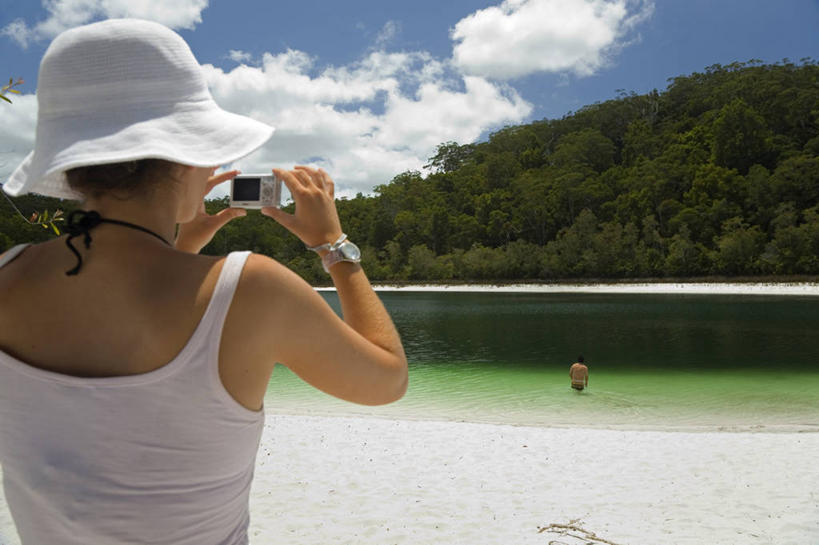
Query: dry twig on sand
574,529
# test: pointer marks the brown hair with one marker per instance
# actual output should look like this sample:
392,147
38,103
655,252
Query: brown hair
121,180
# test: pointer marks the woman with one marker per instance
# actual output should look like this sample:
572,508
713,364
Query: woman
132,370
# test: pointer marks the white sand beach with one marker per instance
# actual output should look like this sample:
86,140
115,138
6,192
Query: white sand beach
670,288
378,481
345,480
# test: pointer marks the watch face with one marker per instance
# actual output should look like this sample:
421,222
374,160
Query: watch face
350,251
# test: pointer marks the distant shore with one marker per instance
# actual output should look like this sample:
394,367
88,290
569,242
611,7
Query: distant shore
711,287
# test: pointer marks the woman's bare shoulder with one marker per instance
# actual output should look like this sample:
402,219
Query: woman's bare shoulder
264,278
271,292
30,251
260,268
268,308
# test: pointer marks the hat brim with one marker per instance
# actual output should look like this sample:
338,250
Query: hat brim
196,133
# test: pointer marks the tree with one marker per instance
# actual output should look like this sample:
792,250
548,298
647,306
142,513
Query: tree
482,263
449,156
796,179
5,243
741,137
738,248
588,147
650,252
684,256
639,142
573,252
794,248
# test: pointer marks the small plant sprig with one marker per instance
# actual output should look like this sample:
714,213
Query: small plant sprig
10,88
37,218
45,221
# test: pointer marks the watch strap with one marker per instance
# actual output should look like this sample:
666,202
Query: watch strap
331,258
336,255
328,245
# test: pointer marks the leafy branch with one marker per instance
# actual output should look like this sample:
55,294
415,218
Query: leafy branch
10,88
43,218
46,222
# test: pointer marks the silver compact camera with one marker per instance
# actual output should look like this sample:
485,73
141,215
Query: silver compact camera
255,191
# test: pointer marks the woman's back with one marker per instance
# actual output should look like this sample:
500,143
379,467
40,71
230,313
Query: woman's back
93,459
129,312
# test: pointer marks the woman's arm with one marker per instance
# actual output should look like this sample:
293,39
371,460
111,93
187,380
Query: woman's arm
284,320
195,234
359,358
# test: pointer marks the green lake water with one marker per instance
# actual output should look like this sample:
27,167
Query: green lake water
712,362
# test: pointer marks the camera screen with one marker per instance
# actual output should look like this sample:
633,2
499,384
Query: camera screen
247,189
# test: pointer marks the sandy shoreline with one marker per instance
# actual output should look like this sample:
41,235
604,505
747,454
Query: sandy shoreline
375,481
440,417
681,288
354,480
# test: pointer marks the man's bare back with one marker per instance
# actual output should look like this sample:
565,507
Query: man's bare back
579,374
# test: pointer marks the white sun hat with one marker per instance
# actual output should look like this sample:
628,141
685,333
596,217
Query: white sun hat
121,90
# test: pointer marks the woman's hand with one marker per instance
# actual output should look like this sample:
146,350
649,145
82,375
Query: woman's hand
315,220
195,234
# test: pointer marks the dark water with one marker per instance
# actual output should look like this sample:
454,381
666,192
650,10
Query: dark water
656,361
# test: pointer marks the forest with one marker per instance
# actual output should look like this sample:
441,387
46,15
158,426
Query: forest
717,175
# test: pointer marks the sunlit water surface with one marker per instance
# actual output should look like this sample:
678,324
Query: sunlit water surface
656,361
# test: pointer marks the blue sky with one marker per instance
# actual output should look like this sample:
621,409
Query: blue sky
367,89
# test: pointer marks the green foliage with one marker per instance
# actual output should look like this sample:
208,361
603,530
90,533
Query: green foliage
21,222
794,247
738,247
717,174
741,137
10,88
5,243
584,149
450,156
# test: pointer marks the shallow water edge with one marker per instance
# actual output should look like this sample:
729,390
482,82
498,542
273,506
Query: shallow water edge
670,288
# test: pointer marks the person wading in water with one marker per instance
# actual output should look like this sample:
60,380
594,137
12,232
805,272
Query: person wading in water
579,374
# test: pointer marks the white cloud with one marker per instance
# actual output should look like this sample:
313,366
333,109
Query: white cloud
364,122
19,122
521,37
388,33
18,31
239,56
65,14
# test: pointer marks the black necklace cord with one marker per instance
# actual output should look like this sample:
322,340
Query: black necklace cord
80,222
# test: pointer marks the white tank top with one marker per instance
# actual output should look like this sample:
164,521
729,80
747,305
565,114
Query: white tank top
164,457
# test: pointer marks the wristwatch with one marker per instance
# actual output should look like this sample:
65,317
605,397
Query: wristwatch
340,250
